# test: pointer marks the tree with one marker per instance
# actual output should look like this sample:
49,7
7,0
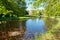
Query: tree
12,8
53,8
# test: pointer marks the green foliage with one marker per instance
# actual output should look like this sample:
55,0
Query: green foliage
53,8
12,8
15,6
36,3
3,10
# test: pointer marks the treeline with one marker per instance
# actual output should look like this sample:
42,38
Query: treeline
12,8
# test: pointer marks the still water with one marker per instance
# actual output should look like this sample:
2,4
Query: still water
22,30
36,26
25,29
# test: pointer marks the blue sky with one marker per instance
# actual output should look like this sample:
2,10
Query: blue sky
29,7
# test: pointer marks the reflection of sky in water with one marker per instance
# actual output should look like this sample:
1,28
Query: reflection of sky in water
35,26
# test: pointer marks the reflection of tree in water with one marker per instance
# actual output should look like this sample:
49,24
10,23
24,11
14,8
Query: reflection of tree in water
8,29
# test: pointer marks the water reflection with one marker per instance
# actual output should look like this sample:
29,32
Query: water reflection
33,27
12,30
21,30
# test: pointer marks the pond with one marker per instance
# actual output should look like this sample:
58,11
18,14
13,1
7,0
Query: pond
36,26
25,29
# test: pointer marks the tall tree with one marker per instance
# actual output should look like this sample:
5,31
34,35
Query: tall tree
51,6
13,8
